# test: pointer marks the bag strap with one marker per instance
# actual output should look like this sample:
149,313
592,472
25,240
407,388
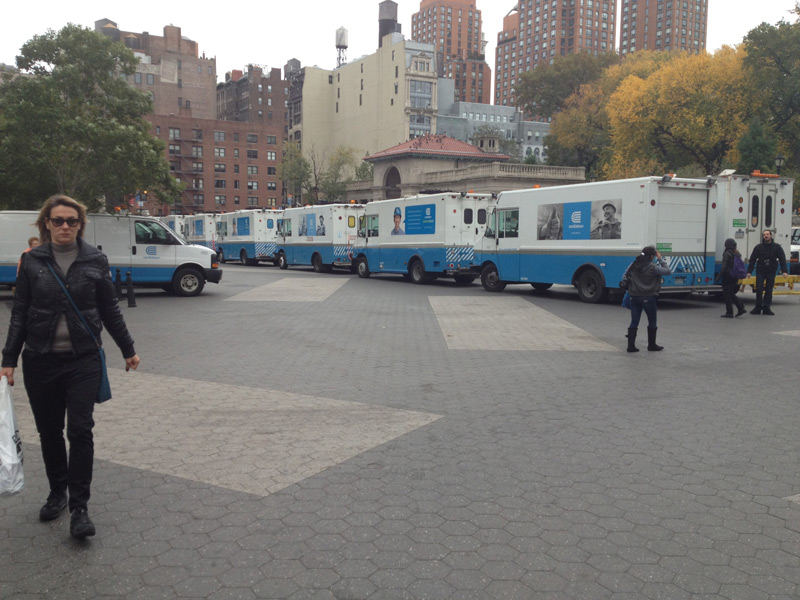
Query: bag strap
71,301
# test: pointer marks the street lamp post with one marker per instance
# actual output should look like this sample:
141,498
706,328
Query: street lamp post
780,160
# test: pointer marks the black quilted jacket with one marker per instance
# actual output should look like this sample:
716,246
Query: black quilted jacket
39,301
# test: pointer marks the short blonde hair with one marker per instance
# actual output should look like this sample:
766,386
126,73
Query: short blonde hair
49,204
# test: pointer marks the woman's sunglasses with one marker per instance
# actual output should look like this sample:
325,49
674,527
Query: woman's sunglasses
59,221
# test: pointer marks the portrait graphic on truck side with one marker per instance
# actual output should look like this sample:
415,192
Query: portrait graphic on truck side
551,220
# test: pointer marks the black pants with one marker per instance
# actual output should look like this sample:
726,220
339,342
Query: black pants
765,282
729,288
59,385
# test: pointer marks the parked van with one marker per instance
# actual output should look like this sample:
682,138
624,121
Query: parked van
321,236
141,246
422,237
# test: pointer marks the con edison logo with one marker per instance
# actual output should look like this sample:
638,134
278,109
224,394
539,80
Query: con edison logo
576,217
151,250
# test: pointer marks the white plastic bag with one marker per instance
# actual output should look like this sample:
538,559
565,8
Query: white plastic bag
11,478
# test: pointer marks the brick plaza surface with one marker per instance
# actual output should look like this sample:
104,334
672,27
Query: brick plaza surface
301,435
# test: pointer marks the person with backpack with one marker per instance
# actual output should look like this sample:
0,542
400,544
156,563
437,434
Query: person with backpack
766,258
732,270
644,283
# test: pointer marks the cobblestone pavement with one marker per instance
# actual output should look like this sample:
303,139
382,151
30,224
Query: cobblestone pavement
319,436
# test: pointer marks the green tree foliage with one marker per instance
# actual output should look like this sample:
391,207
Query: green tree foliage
757,149
773,60
544,90
71,124
294,170
365,171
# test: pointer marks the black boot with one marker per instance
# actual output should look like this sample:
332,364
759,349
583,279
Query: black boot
632,339
651,340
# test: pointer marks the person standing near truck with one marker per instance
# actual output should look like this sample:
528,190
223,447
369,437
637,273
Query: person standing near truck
644,277
62,364
766,258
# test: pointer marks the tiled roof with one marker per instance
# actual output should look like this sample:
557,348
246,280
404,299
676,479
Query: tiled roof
436,146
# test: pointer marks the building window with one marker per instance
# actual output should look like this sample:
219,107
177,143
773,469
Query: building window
236,185
198,198
271,185
174,133
137,78
197,134
197,167
197,183
197,151
252,169
236,199
220,183
175,149
272,140
272,170
235,168
271,156
219,136
151,80
235,153
252,185
219,199
219,167
235,137
220,152
252,154
252,201
252,138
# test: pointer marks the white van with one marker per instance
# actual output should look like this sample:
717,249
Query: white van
141,246
248,236
321,236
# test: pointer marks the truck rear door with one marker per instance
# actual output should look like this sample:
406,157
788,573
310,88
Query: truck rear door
761,211
683,233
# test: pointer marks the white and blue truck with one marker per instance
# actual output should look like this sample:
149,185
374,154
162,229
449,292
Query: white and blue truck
142,246
249,236
321,236
422,237
586,235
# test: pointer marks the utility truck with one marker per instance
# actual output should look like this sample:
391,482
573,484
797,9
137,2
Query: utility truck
201,229
586,235
321,236
141,246
422,237
249,236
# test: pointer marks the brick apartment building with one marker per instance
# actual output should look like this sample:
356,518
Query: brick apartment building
663,25
536,31
171,70
454,27
226,165
256,95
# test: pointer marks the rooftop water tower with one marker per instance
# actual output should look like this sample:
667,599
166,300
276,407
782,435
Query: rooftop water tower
341,46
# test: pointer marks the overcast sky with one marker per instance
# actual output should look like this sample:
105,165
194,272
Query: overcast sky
271,32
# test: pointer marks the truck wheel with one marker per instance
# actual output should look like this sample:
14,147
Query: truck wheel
187,282
220,257
490,279
417,272
464,279
362,267
243,257
316,262
590,287
541,287
282,262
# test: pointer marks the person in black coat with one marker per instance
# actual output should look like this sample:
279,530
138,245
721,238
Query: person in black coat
766,258
62,364
644,283
730,285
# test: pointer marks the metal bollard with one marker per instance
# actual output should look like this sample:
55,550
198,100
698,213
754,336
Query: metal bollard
118,285
129,286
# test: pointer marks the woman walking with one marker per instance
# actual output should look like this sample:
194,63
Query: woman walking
730,284
644,284
61,362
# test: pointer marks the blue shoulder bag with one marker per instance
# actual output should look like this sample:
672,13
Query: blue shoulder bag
104,391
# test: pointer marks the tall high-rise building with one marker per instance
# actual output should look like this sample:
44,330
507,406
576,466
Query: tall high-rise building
536,31
454,27
663,25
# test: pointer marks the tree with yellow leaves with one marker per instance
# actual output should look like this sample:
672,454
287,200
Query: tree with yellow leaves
690,112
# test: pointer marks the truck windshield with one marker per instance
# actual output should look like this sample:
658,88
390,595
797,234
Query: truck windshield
796,235
150,232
